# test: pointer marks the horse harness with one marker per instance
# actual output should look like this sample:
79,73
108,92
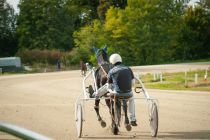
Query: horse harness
102,68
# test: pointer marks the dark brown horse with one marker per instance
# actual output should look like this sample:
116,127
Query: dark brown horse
101,79
83,68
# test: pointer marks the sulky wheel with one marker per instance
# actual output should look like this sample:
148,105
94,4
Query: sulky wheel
79,120
154,119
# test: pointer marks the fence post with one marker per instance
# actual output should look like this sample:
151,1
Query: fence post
185,77
196,78
154,76
0,71
161,77
206,75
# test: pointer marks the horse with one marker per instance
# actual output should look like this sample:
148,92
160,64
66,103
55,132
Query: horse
101,79
83,68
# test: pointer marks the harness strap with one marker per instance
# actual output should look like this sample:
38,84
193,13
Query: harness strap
103,70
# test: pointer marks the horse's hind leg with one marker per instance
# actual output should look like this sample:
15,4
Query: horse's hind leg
108,103
127,125
96,107
103,123
114,126
115,129
111,108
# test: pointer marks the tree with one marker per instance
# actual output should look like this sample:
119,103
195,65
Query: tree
8,38
87,11
194,35
104,5
47,24
88,37
145,31
150,32
95,9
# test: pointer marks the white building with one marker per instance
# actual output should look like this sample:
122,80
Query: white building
10,64
10,61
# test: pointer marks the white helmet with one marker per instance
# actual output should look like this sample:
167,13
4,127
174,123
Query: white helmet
114,58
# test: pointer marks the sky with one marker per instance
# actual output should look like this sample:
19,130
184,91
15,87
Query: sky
14,4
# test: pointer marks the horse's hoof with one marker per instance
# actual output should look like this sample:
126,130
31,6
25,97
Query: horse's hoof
115,129
128,127
103,123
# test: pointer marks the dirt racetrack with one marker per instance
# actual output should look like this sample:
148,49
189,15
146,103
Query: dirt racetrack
44,103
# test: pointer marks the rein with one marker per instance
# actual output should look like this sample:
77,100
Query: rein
103,70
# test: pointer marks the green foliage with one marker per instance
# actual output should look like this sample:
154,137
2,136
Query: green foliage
194,36
88,37
49,24
149,32
142,31
46,24
87,11
8,37
104,5
102,8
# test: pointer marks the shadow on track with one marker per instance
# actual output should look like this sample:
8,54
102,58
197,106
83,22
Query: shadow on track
109,137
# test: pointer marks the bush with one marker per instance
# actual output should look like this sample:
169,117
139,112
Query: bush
70,58
39,56
51,57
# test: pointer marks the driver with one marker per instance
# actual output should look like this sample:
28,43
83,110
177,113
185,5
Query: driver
120,80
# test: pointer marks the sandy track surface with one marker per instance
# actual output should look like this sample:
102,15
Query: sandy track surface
44,103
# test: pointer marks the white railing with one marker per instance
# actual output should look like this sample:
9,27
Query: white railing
21,132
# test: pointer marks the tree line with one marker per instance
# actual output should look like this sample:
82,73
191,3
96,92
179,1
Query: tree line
142,31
